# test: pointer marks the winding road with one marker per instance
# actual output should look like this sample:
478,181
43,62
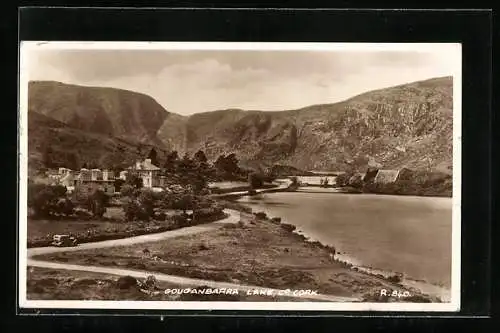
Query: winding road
233,217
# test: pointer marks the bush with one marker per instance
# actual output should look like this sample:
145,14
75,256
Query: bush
260,215
126,282
146,201
255,180
44,199
395,278
132,209
276,220
65,207
97,203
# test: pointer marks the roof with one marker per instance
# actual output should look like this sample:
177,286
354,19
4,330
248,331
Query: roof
386,176
67,177
145,165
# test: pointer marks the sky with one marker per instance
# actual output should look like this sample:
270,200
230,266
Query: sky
192,81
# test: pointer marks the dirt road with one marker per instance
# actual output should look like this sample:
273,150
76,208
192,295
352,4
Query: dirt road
234,217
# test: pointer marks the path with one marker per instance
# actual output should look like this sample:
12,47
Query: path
234,217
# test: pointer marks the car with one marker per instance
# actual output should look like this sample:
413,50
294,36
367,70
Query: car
64,240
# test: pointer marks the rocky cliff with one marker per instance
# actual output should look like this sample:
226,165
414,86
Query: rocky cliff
409,125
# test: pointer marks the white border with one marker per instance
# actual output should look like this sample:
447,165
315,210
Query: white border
453,305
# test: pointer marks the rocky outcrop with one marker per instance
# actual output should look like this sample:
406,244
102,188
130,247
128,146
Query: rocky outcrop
404,126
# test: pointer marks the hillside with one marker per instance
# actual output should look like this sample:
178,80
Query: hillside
72,147
108,111
408,125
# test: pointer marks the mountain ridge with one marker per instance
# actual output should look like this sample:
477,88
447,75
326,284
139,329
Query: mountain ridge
408,125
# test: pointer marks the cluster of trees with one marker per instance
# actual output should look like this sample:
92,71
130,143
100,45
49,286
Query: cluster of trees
349,178
144,204
257,179
48,201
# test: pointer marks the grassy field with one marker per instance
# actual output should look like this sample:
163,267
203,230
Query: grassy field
40,232
48,284
255,252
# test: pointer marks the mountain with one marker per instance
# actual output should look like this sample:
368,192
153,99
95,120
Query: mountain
408,125
107,111
71,147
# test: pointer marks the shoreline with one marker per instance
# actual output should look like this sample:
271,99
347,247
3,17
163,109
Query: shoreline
425,287
363,286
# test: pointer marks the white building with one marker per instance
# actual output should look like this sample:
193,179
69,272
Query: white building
148,172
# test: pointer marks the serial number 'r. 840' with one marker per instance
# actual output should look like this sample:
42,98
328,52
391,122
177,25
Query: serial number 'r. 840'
395,293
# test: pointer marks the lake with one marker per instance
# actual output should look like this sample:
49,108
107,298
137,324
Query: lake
406,234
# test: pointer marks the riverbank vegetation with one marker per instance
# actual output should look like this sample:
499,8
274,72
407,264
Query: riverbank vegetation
415,182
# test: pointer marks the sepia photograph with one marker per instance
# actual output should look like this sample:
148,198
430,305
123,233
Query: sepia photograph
240,176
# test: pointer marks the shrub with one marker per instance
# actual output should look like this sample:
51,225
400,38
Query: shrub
65,207
97,203
255,180
132,209
126,282
127,190
146,201
43,199
260,215
395,278
276,220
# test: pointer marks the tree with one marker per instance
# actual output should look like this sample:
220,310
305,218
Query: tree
186,164
228,165
97,203
231,164
184,202
147,200
65,207
171,162
134,180
131,208
118,184
200,157
44,199
153,156
255,180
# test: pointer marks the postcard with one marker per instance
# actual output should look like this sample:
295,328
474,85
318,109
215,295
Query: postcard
240,176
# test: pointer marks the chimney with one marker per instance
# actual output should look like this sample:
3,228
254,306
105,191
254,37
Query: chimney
148,160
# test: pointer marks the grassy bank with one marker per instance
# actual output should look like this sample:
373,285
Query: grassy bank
257,251
40,232
48,284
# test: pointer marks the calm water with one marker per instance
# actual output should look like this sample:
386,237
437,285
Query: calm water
404,234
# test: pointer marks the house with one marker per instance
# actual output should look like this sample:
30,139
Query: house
96,174
123,175
148,172
63,171
68,181
87,187
107,175
386,176
90,180
392,176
